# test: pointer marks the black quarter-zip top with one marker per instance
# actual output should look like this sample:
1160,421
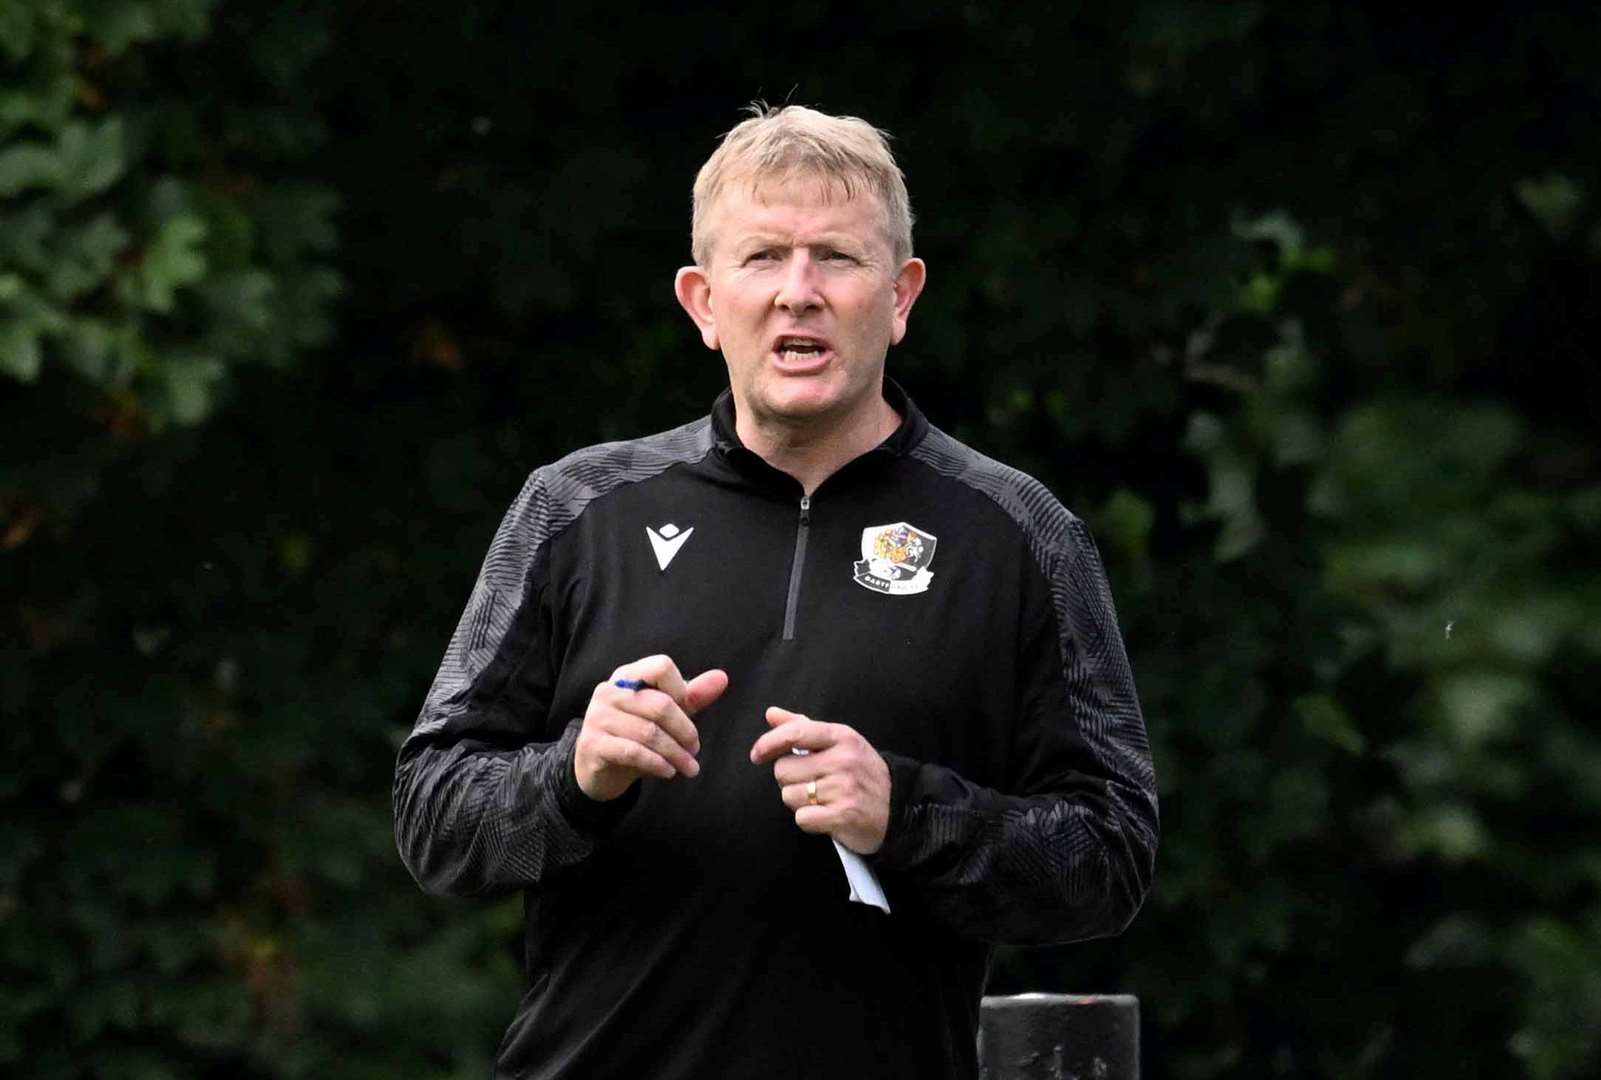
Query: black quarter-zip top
797,566
943,606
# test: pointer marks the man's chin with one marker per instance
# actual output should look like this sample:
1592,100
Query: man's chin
801,408
812,401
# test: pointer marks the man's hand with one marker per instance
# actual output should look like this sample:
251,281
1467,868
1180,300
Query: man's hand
852,792
632,733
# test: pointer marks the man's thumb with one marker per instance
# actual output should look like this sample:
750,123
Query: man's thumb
704,689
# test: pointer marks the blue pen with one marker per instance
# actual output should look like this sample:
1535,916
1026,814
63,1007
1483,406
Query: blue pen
633,684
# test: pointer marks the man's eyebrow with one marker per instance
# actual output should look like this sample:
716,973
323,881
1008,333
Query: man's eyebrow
763,239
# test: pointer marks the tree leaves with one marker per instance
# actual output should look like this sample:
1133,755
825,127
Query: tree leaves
118,259
87,158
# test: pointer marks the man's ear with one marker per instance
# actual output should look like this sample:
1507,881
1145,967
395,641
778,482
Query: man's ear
694,292
908,284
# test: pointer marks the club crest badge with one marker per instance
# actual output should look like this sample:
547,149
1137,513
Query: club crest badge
895,559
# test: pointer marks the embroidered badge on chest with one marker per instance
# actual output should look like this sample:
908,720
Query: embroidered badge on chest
895,559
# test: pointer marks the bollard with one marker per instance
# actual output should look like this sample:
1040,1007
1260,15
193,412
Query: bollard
1059,1037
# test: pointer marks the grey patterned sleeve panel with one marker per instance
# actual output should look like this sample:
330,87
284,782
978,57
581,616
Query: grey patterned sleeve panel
485,798
1069,852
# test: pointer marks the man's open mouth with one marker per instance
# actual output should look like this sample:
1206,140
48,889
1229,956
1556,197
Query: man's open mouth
799,349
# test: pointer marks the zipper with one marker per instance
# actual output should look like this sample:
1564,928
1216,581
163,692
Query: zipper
801,529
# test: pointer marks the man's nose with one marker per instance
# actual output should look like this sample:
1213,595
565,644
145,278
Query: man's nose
798,292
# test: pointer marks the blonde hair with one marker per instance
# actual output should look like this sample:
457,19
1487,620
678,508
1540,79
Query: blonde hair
842,154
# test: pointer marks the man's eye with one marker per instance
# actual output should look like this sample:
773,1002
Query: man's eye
764,255
837,256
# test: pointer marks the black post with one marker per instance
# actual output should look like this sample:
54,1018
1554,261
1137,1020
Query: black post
1059,1037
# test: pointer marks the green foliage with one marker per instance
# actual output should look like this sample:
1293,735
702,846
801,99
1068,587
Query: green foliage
1295,304
138,251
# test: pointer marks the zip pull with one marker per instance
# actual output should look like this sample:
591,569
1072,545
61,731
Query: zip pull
806,509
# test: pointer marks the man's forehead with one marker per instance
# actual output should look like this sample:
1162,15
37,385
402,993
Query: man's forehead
762,202
793,188
804,188
789,205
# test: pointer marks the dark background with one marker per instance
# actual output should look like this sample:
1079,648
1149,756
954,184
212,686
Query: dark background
1295,304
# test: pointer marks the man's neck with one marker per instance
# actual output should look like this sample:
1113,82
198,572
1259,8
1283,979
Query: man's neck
813,450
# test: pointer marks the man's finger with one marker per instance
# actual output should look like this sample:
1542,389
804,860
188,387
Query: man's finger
655,707
777,716
652,736
797,769
658,672
796,734
704,689
816,819
616,750
798,795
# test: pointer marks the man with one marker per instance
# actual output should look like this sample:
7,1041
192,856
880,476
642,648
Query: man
689,658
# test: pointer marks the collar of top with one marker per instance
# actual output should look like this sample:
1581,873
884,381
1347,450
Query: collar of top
900,442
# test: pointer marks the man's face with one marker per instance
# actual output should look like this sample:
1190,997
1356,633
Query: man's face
803,297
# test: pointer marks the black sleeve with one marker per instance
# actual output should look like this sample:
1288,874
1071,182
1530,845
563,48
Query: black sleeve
1067,851
485,797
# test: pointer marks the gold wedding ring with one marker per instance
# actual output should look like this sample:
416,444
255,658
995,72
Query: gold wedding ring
811,792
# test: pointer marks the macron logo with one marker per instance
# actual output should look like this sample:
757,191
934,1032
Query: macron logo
667,542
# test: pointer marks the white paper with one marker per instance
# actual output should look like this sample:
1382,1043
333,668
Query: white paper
865,888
